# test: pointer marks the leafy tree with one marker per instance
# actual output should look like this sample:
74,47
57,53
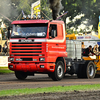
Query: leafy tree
45,10
90,8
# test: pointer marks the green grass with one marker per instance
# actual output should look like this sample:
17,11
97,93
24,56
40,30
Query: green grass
49,89
4,70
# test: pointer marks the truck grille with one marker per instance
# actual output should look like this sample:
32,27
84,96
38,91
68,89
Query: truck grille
26,49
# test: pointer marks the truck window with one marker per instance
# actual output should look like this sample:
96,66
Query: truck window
29,30
52,31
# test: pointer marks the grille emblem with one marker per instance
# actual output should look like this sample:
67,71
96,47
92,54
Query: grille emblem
26,40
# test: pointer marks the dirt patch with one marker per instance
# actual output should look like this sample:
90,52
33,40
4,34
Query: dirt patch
76,95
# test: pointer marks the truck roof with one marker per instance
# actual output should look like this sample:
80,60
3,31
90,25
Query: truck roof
35,21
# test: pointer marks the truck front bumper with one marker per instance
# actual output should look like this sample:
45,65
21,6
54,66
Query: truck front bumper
32,67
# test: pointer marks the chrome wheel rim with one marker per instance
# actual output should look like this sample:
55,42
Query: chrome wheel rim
59,71
91,70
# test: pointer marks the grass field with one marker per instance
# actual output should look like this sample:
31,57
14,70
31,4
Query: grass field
50,89
4,70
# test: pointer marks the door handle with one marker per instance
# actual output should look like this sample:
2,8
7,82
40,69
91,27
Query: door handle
57,44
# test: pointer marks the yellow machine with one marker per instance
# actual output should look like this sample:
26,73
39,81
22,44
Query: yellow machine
92,61
71,36
89,66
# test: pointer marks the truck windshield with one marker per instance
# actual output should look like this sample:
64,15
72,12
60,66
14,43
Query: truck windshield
29,31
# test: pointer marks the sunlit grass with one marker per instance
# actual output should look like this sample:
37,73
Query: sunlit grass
4,70
49,89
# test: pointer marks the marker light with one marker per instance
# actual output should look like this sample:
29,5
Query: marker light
11,59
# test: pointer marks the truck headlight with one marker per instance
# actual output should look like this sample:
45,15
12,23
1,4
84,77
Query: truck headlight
11,66
42,59
11,59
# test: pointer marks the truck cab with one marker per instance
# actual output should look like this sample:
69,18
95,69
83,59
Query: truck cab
34,48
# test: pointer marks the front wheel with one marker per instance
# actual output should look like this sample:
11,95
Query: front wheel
20,75
58,74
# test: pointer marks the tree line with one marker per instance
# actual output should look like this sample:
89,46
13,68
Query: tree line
90,8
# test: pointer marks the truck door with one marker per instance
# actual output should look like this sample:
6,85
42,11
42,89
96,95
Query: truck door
62,39
53,44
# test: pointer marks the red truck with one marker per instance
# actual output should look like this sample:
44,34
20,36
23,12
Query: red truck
35,49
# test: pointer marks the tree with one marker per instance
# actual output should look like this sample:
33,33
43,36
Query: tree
45,10
90,8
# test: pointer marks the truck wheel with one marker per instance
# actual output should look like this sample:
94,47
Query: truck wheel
89,70
20,75
86,70
58,74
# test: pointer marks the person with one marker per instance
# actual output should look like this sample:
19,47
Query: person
50,30
99,47
0,49
6,43
88,51
83,46
96,49
4,49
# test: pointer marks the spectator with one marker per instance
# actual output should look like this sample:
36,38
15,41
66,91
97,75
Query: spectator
6,43
83,46
96,49
99,47
4,49
0,48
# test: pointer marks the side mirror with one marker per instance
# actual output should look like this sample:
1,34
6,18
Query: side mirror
53,33
8,33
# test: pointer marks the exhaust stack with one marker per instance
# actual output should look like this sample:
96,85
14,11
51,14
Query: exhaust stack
55,6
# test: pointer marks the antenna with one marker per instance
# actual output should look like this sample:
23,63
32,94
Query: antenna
62,15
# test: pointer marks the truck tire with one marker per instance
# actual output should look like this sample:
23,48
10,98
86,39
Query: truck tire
58,74
20,75
86,70
89,71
